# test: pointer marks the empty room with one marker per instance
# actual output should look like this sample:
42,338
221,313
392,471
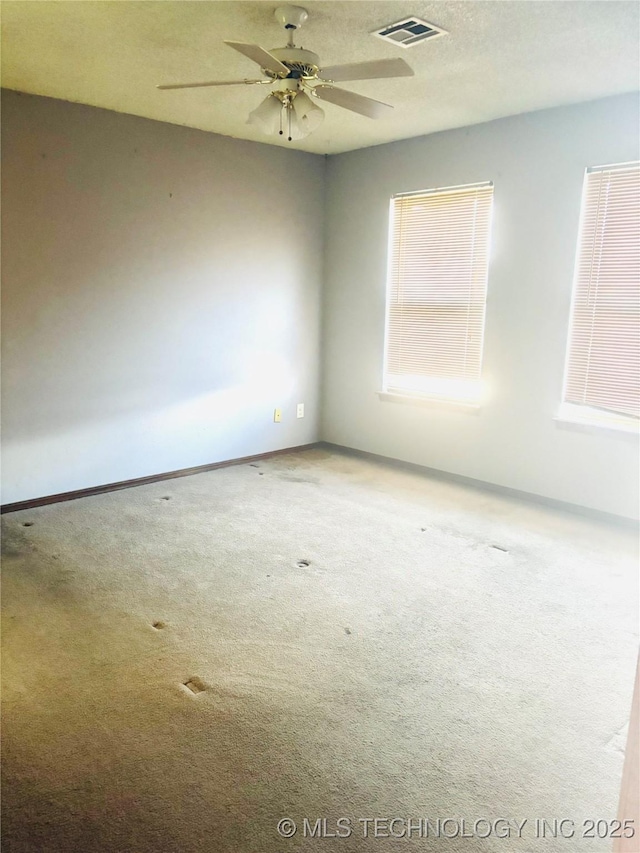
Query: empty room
320,409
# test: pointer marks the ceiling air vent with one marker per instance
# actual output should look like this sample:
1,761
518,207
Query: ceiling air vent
409,31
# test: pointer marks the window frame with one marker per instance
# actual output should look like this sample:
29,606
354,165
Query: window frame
576,414
471,405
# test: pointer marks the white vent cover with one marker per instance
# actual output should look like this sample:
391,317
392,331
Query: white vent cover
409,31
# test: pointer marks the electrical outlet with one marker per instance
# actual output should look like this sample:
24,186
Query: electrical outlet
300,410
277,416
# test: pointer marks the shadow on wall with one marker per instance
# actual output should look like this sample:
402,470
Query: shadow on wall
145,280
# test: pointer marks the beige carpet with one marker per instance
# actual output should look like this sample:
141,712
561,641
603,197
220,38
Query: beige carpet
362,643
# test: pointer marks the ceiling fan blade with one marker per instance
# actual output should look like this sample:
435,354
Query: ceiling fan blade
211,83
367,70
350,101
261,56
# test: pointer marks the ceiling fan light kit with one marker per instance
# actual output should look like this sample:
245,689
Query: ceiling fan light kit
288,112
297,79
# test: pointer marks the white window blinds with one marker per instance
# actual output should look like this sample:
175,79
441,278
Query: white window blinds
603,362
439,248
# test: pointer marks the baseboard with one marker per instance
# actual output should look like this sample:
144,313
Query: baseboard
351,451
144,481
530,497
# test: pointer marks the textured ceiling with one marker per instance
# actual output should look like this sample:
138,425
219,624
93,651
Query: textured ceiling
500,58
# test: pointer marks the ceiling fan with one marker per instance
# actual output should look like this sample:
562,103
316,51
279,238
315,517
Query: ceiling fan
297,80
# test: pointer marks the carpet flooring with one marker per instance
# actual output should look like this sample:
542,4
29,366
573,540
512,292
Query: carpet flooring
313,636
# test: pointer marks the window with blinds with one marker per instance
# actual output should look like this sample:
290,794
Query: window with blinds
436,292
602,375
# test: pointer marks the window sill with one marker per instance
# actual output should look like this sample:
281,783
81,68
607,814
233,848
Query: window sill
430,402
595,426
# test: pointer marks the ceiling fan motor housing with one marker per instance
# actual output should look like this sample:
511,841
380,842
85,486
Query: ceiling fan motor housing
300,62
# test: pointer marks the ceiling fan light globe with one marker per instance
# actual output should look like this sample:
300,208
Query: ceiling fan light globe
266,115
308,114
294,128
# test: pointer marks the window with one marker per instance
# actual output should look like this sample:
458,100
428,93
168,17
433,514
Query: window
602,375
436,292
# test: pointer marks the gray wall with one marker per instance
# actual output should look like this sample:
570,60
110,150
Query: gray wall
161,296
537,163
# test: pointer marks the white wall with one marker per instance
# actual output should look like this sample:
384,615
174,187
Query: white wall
161,296
537,163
